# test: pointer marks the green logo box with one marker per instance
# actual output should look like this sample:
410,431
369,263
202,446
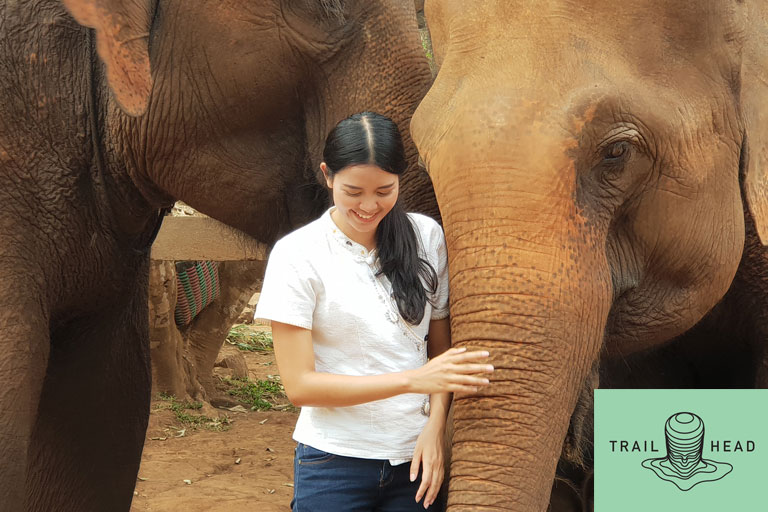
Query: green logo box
681,449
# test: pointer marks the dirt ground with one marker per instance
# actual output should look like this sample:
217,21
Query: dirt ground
245,468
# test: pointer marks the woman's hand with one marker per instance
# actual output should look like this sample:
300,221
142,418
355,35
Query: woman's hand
453,371
429,455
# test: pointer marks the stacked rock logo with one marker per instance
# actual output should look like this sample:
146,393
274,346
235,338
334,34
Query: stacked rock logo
684,465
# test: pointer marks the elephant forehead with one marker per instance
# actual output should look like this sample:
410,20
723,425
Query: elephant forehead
694,24
560,38
528,127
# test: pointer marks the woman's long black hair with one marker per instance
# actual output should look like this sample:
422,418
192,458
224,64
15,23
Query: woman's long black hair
370,138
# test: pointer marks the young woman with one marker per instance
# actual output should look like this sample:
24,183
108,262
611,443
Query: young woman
358,301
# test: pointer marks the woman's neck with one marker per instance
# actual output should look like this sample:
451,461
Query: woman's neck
367,240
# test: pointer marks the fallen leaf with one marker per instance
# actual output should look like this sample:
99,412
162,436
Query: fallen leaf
238,408
270,449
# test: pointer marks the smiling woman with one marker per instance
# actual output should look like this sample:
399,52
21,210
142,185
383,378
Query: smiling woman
365,154
358,301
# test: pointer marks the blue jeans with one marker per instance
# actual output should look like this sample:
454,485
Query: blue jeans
323,482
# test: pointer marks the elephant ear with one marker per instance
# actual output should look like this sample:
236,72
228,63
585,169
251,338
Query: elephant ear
754,104
122,41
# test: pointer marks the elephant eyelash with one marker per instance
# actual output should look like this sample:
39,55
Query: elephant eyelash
624,136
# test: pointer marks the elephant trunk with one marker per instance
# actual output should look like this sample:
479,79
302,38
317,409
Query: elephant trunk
531,285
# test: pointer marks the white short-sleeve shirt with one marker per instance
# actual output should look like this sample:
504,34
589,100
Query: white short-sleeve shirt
319,279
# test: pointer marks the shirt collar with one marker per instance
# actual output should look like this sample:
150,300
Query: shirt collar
357,250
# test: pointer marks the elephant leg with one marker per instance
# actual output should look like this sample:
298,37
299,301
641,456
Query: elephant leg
749,298
238,280
572,489
761,376
94,410
565,497
23,359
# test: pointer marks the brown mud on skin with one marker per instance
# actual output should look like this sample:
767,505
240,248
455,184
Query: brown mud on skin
261,440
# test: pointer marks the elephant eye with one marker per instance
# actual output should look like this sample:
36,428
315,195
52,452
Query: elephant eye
615,156
616,151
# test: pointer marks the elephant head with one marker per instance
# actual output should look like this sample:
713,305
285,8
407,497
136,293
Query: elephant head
234,98
587,161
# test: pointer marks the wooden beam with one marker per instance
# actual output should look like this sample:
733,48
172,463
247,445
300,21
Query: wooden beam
203,238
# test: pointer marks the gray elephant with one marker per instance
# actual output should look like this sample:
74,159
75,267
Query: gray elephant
601,174
109,114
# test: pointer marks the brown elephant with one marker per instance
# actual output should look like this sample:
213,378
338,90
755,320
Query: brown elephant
601,175
224,105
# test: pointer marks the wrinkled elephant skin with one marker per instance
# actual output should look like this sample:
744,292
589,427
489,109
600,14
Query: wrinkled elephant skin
589,163
111,110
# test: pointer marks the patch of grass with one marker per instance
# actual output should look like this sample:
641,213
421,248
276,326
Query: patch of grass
242,337
181,411
427,47
262,395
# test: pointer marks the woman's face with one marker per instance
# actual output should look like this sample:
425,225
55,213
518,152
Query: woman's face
363,195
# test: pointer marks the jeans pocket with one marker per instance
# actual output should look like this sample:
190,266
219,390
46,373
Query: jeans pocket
308,455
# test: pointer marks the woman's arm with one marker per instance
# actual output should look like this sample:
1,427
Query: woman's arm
453,371
431,442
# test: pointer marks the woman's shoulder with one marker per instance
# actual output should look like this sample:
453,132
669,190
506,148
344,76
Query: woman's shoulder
425,225
299,240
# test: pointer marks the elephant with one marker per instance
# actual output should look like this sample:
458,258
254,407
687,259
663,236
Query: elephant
112,110
601,175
